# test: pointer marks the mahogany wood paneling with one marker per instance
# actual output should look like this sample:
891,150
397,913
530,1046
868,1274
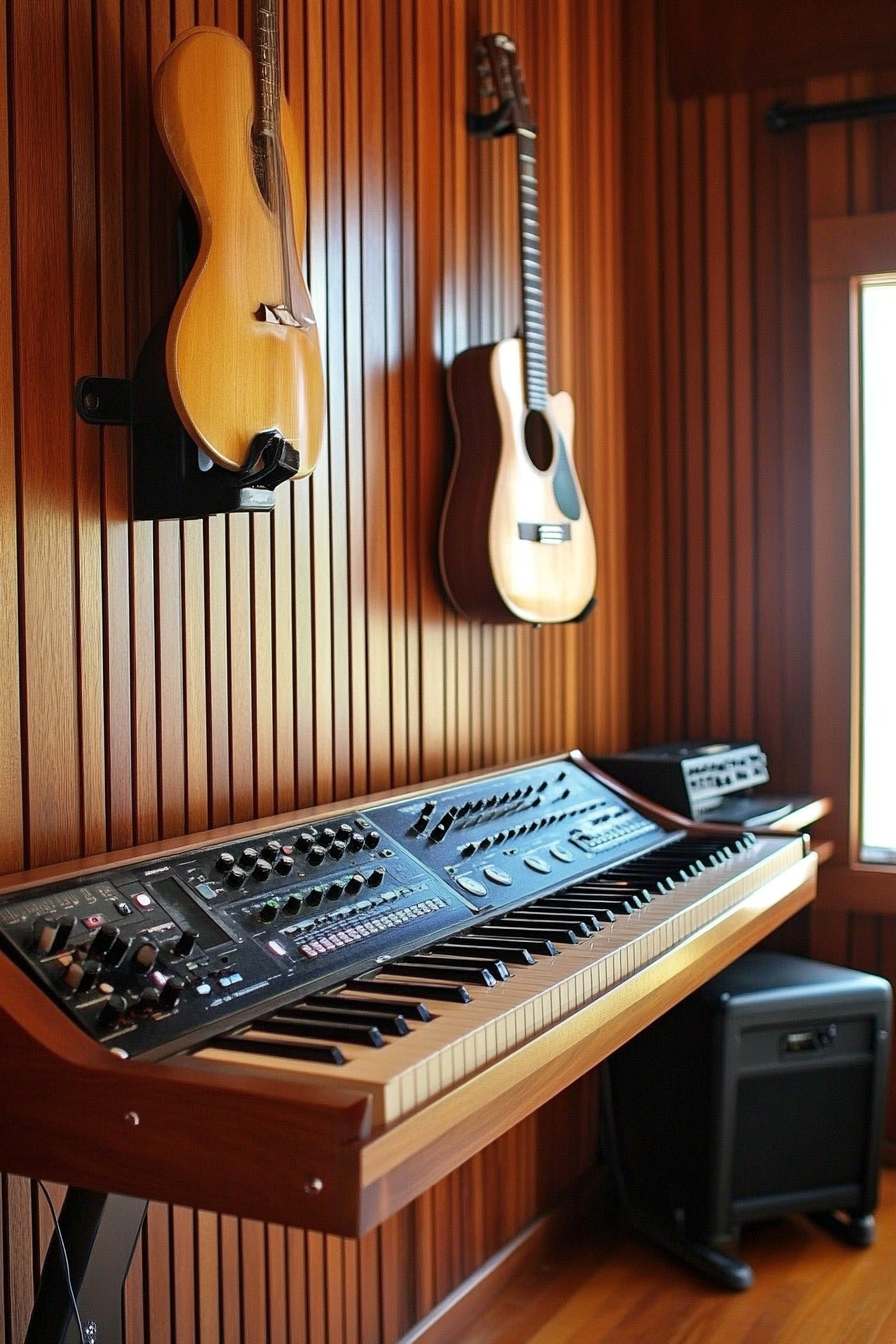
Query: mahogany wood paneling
163,677
748,44
739,596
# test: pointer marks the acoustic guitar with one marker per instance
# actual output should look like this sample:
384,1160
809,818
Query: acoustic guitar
242,352
516,542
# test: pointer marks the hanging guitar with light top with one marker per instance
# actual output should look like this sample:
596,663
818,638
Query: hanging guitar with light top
242,353
227,398
516,542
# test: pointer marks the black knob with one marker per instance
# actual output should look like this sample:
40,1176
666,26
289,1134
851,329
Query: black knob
428,807
335,890
356,842
171,991
345,830
468,849
262,870
249,858
82,975
354,884
328,835
145,954
305,840
112,1012
269,912
284,863
337,849
117,952
225,861
292,905
316,854
103,939
314,896
376,878
271,849
49,936
185,943
372,839
236,877
149,999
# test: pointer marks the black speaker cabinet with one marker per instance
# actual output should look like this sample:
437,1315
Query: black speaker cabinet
762,1094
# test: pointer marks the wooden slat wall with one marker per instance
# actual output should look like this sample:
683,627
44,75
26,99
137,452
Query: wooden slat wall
717,215
159,678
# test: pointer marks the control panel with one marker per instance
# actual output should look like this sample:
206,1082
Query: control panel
156,957
689,777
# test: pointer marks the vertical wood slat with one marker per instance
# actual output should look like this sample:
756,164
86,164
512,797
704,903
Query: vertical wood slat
196,673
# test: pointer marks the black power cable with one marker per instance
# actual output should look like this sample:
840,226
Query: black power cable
65,1265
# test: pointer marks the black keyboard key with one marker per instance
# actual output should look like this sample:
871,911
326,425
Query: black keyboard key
533,929
435,970
468,962
420,990
517,956
540,947
418,1011
390,1024
323,1029
316,1054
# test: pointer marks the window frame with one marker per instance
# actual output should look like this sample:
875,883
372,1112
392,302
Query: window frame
844,252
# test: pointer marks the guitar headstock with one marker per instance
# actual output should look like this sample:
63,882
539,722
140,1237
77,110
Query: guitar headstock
501,79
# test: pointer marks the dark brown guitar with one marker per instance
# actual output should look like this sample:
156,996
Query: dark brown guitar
516,542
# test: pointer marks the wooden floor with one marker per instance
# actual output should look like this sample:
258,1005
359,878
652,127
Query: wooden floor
809,1289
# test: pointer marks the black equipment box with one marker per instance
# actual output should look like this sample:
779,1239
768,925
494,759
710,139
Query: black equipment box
710,781
760,1095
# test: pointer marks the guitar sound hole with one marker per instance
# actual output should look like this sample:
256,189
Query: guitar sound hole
539,442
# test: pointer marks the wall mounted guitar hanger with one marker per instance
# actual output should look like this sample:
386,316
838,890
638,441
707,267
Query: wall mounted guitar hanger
227,398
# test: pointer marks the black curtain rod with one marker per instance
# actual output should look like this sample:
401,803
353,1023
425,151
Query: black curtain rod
791,116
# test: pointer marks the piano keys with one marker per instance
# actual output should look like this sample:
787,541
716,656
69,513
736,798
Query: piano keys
425,968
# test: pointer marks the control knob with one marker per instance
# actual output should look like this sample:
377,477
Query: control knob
171,991
249,858
269,912
316,854
113,1011
262,870
284,863
103,939
305,840
372,839
185,943
225,862
271,849
236,877
145,954
354,884
52,937
376,878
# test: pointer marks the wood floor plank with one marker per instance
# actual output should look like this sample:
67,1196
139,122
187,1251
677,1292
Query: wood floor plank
610,1288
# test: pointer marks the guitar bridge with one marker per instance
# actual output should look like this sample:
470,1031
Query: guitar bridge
549,534
280,315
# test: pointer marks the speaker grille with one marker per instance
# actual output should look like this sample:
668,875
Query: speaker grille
802,1130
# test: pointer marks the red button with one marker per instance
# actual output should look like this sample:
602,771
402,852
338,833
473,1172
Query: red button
93,921
142,900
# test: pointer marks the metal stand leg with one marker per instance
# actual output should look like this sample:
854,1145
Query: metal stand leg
727,1270
100,1234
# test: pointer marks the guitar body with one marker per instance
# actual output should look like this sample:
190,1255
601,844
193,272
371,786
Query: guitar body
499,555
230,374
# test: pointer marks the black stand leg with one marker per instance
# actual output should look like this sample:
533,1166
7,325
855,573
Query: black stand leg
724,1269
100,1234
855,1229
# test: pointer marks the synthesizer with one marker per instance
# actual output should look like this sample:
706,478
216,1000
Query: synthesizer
383,972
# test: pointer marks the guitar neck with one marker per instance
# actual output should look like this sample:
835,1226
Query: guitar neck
535,363
266,127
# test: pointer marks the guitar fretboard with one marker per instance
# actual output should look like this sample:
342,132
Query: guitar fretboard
267,96
536,366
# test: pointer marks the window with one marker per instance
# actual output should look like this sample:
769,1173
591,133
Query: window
876,312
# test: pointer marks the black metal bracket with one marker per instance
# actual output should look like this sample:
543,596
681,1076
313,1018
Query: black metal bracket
172,476
100,1234
792,116
491,125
